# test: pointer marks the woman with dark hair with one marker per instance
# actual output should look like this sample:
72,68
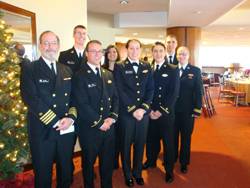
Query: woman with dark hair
111,57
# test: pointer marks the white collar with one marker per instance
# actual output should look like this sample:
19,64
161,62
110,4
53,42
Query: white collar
48,62
78,51
160,64
93,67
172,55
133,61
183,66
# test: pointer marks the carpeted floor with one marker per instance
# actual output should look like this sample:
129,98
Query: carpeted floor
220,156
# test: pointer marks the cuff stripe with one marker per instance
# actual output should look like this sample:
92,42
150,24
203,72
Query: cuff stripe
165,109
96,122
46,122
131,108
145,105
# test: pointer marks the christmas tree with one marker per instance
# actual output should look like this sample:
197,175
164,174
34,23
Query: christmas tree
13,132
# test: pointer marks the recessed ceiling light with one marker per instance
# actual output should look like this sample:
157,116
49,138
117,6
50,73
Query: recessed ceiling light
124,2
198,12
135,34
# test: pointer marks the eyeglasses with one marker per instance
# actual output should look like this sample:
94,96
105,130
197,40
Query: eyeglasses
53,43
80,33
96,52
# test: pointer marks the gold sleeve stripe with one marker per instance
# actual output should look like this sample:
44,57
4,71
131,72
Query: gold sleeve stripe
73,111
50,119
165,109
116,115
145,105
131,108
47,115
197,110
96,122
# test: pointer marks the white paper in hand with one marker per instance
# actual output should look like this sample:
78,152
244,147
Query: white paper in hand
68,130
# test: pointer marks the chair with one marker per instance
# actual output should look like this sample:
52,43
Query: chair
225,91
239,96
215,80
207,107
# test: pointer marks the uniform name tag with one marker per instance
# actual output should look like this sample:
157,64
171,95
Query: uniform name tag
91,85
129,72
69,78
43,81
144,71
70,62
164,75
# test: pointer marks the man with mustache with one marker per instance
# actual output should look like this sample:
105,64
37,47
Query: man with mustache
46,90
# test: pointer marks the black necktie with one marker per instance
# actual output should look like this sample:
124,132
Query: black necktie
181,71
53,69
157,68
170,59
80,56
97,72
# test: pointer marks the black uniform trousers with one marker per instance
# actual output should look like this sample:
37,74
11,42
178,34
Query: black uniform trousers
162,128
44,152
184,125
133,132
118,142
98,144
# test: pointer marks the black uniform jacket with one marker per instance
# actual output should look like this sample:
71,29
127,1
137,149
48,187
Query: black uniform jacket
190,95
135,90
70,58
95,97
167,84
47,97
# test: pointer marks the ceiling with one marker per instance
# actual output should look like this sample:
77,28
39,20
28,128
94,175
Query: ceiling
224,22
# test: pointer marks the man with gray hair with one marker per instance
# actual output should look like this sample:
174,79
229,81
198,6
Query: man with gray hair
45,90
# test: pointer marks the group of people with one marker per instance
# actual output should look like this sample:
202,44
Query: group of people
110,107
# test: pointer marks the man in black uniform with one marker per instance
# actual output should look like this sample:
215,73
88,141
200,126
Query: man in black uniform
75,56
161,124
188,106
135,86
96,100
46,90
171,44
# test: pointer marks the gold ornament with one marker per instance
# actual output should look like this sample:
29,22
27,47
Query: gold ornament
1,145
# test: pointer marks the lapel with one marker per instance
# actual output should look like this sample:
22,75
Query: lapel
45,69
74,54
104,83
92,76
59,76
129,66
186,71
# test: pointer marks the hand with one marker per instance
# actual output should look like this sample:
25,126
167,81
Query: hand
105,126
158,114
109,120
139,113
64,123
152,115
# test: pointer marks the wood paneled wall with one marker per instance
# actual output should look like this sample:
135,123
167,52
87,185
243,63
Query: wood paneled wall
190,37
